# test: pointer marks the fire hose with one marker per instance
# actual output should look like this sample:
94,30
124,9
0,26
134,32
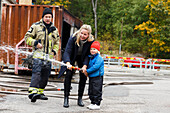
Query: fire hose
64,64
28,62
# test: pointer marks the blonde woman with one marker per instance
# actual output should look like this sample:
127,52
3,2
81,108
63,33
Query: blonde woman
77,50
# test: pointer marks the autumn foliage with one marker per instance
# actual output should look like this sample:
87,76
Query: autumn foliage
155,28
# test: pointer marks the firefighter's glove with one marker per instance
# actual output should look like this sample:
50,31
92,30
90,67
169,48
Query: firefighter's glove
28,61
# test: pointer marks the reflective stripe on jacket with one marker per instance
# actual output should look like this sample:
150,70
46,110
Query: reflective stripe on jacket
48,38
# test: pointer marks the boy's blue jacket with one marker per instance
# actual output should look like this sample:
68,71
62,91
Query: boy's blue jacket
96,66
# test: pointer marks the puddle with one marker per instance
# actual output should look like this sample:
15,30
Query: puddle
116,91
3,109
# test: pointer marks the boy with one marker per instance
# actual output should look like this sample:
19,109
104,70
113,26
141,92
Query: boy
95,72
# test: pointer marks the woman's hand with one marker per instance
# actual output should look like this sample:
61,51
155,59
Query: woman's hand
84,70
69,66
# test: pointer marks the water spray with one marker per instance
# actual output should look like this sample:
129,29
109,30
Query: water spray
5,48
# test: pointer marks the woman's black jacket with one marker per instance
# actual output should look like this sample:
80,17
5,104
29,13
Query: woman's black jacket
71,52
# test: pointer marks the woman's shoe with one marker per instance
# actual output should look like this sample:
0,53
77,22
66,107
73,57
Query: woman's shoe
80,102
66,105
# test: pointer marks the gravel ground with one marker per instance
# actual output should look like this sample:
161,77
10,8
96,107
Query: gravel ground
140,93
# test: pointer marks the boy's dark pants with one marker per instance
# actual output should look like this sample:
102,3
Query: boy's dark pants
95,89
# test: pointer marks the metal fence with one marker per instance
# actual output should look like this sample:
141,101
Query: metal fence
143,63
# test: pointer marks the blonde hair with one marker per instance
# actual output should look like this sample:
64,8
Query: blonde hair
77,33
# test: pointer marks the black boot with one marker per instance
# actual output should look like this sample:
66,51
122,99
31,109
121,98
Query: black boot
35,97
30,96
43,97
80,102
66,105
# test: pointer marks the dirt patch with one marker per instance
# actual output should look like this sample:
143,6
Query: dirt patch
1,96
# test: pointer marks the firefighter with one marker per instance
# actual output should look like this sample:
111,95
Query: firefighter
44,38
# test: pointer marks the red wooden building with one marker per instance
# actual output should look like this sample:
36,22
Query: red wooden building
16,20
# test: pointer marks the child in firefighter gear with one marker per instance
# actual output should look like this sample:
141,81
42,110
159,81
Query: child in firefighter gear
43,36
95,72
77,50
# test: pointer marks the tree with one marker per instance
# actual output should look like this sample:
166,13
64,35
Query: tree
140,21
95,15
156,28
110,15
64,3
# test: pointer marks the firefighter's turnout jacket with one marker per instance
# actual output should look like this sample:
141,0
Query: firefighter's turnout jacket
49,38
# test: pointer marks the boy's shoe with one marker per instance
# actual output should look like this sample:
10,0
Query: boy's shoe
94,107
90,105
